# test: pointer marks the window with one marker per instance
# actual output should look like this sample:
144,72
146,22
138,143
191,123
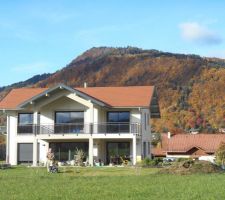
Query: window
69,117
69,122
65,151
25,118
25,123
118,122
119,117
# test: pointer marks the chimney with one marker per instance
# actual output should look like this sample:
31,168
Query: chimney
85,84
169,135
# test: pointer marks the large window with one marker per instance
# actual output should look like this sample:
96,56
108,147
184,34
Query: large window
69,117
69,122
118,121
66,150
25,123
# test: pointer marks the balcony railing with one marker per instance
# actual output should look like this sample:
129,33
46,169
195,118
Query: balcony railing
77,128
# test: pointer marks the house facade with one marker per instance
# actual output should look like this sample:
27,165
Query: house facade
107,123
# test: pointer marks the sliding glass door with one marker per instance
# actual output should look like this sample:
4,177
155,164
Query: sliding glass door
116,151
65,151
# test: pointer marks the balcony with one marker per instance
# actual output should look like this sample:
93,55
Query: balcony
76,128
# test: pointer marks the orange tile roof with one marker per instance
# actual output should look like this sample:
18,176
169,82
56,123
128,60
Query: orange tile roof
182,143
158,151
131,96
18,96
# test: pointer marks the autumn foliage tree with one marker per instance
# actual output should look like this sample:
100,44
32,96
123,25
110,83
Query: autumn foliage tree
220,154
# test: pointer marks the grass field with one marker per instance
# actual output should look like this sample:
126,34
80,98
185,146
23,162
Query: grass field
108,183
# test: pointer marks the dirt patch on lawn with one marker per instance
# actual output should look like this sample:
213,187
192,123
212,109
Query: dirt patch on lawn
191,167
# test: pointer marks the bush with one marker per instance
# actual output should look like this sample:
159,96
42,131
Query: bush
220,154
79,157
147,162
158,161
182,159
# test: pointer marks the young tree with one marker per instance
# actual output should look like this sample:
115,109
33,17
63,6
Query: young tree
220,154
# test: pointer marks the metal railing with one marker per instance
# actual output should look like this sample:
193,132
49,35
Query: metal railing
78,128
120,128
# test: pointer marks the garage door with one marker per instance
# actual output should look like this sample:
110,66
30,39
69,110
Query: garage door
25,152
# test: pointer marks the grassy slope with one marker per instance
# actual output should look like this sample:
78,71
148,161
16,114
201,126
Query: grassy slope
108,183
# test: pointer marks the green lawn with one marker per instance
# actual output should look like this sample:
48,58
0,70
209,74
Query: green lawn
108,183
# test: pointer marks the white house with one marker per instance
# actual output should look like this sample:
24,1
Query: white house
105,122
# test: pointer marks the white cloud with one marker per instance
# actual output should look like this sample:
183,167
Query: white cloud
197,33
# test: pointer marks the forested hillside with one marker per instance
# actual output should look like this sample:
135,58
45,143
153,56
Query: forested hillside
190,88
26,83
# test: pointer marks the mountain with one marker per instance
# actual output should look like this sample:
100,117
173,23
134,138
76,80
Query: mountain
190,88
27,83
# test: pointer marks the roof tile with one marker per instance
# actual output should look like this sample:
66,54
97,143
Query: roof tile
184,142
130,96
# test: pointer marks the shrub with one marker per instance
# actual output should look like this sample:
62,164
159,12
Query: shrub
220,154
79,157
158,160
182,159
147,162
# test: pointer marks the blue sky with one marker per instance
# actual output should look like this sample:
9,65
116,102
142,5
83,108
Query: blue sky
44,36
